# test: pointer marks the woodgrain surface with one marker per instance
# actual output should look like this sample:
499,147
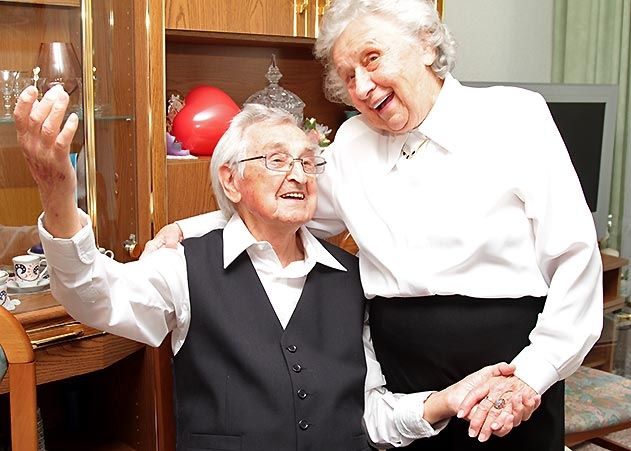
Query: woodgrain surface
240,16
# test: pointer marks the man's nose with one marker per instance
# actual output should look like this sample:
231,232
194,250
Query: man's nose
297,172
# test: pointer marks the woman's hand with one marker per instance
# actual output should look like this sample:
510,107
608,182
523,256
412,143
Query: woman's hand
169,236
447,402
485,406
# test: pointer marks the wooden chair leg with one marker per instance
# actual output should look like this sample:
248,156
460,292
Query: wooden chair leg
611,445
22,400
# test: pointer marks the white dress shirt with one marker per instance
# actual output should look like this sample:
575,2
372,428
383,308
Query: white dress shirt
489,207
144,300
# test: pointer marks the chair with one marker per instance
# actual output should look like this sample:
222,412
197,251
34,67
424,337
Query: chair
16,348
597,403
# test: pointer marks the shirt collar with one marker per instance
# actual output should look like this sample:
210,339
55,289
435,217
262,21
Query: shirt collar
237,239
436,126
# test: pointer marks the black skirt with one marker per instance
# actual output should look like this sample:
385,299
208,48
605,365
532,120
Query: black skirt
429,343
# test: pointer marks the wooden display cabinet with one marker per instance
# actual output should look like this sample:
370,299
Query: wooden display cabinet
290,18
95,390
602,354
237,64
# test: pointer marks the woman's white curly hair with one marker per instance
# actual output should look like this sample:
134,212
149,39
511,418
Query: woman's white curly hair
414,17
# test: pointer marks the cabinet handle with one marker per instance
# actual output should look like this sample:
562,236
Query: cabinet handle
130,244
303,6
46,335
322,9
50,340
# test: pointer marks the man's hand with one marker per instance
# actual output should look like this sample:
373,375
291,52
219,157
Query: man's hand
46,151
485,405
168,236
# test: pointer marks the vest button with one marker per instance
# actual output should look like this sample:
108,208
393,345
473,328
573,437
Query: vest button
296,367
292,348
301,393
304,424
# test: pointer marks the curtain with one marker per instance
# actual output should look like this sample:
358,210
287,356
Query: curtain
592,44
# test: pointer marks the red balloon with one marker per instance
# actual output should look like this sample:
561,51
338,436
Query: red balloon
204,119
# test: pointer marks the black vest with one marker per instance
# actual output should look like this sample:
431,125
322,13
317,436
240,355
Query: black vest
244,383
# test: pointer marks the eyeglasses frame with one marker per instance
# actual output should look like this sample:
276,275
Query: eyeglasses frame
291,166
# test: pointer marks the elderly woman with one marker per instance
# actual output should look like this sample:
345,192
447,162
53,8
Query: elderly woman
475,241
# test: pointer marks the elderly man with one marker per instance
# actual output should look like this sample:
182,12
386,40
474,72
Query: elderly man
271,348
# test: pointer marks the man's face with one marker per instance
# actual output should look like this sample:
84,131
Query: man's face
388,76
270,201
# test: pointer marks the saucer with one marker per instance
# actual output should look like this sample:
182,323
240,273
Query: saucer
13,287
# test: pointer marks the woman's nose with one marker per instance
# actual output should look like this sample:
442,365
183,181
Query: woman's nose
363,83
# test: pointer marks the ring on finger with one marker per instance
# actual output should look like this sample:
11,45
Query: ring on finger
498,403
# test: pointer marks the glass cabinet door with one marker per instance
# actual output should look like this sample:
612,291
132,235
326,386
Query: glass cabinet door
30,34
98,49
118,186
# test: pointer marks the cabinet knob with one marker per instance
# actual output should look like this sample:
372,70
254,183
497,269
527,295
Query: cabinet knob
130,244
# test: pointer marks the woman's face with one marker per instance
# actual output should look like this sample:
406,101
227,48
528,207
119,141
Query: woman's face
388,76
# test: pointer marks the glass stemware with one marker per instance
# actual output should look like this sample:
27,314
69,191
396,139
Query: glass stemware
59,65
7,86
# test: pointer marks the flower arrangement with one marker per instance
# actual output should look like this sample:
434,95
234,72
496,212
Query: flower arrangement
317,132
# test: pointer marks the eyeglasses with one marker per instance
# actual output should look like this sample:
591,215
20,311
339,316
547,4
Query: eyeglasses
283,162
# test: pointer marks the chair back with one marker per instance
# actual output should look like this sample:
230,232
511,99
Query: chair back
22,384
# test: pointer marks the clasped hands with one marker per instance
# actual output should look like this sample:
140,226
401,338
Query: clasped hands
493,400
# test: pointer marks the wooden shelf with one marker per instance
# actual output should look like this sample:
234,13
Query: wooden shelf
189,190
82,445
241,39
72,3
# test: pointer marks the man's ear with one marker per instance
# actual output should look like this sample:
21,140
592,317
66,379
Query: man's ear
228,180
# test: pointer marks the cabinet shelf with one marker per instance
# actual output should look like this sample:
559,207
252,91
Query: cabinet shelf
9,120
240,39
72,3
82,445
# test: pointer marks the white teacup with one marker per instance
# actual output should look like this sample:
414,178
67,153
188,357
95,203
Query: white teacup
107,252
4,295
29,270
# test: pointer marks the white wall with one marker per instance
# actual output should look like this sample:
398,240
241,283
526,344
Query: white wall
502,40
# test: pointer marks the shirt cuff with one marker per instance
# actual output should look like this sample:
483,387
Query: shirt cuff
408,417
62,253
535,371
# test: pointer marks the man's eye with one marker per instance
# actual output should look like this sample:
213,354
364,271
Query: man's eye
277,158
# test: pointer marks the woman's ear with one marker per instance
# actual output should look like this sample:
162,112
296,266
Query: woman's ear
429,56
429,52
228,180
